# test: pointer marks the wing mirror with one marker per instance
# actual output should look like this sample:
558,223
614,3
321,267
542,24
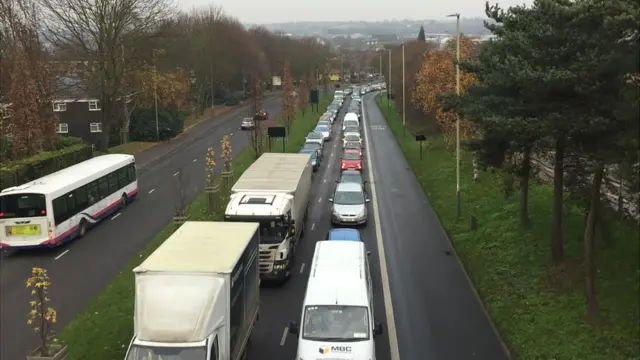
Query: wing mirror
368,253
330,200
294,329
367,200
377,330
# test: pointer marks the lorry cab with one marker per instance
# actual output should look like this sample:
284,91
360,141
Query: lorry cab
337,318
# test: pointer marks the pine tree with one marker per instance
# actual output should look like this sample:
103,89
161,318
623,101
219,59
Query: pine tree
421,36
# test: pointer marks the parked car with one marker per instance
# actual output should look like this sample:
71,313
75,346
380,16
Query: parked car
315,137
351,136
325,131
313,146
316,158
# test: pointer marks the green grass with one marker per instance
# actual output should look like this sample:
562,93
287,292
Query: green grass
104,329
539,311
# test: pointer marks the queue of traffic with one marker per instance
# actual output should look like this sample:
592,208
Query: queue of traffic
197,295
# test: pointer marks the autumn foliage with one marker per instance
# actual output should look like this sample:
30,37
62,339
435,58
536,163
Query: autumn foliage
289,98
41,315
226,153
303,96
437,75
172,88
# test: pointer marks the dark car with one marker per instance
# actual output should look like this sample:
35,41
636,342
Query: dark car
313,146
315,157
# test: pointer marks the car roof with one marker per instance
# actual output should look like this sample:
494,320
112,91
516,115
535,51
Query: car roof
314,133
349,186
343,234
351,172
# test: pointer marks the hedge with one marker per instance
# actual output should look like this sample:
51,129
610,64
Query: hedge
143,124
43,164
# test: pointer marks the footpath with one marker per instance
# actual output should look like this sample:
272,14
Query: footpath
152,155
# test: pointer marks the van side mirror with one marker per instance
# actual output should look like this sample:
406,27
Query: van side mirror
377,330
330,200
294,328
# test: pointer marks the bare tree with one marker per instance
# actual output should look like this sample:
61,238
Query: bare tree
289,99
100,31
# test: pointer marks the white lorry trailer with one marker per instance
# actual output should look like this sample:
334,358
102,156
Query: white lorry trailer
274,191
197,295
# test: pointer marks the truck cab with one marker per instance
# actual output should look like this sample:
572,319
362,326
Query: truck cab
278,240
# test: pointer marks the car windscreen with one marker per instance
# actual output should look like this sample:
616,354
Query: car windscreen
322,129
348,198
352,138
352,145
351,156
335,323
351,176
22,205
351,129
350,123
315,135
311,146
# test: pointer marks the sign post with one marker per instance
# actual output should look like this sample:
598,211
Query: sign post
420,139
277,132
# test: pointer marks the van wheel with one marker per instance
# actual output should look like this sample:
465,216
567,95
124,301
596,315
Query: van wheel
123,201
83,228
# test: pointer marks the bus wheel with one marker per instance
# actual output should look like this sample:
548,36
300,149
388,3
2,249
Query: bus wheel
123,201
83,228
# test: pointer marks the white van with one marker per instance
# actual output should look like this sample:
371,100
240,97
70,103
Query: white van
349,119
337,313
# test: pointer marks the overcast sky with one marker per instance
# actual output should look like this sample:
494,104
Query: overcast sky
272,11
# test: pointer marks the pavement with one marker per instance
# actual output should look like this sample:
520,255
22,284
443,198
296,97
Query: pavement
80,270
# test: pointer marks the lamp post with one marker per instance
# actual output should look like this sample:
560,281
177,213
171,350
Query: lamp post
458,210
155,92
404,123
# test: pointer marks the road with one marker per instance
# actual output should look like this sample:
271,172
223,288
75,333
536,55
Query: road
281,304
436,310
80,270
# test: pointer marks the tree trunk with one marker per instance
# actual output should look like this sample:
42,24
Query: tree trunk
557,236
525,174
589,244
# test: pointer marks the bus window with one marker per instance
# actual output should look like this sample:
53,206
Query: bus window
113,182
132,173
22,205
92,192
71,205
122,178
60,209
103,187
81,198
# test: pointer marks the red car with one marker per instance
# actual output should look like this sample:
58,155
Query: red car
351,160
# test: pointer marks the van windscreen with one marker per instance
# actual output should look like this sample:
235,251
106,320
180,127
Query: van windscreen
336,323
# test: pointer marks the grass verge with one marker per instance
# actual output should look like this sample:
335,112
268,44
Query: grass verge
104,329
539,310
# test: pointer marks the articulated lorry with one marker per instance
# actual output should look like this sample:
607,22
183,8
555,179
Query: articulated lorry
274,191
197,296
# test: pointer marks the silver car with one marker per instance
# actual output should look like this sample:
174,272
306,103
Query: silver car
247,123
349,205
315,137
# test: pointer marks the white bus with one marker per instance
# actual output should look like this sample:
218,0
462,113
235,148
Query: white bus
61,206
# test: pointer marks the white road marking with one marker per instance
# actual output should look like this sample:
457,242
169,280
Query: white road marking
324,180
302,268
115,216
284,336
152,190
194,160
62,254
328,166
386,289
313,226
176,174
319,199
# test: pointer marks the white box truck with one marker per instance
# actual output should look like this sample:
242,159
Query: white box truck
197,295
274,191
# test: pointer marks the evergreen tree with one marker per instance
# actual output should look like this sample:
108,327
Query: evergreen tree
421,36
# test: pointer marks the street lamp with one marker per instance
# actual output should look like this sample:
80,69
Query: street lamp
457,16
404,123
155,89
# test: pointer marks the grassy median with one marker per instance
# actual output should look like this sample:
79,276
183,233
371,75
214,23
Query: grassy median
104,329
539,311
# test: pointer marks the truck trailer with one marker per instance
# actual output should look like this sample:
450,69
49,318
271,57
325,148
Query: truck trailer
274,191
197,295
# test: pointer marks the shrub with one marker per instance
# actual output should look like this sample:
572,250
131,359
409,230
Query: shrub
68,141
45,163
143,124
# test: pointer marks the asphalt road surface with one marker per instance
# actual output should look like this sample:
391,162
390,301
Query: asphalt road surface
80,270
436,310
280,305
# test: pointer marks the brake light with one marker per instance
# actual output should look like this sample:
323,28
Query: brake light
43,212
1,214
